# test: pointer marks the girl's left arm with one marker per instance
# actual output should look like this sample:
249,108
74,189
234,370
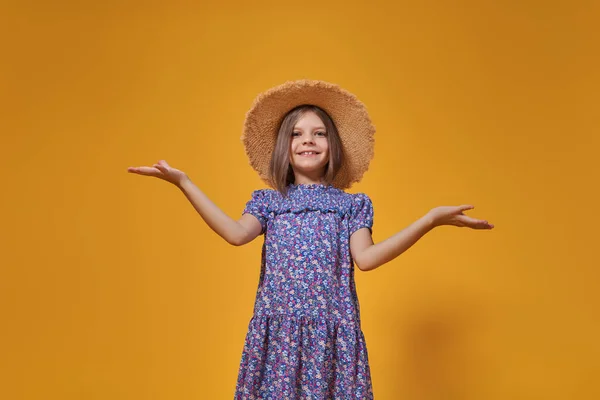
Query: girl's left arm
369,256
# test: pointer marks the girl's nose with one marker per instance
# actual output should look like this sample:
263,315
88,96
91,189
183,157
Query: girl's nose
307,139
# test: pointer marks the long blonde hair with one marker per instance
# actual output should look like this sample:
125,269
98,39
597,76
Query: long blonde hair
280,170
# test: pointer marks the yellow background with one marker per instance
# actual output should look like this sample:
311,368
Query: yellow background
112,287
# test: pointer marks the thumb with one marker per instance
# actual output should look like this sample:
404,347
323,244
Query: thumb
161,167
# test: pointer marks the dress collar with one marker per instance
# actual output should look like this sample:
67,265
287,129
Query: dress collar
310,186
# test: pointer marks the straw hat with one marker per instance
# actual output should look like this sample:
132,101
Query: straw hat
349,114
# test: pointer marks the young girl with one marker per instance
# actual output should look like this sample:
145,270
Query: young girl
308,140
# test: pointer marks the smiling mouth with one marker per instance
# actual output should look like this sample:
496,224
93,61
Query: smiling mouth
308,153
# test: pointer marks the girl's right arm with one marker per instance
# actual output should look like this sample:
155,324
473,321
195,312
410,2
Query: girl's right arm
237,233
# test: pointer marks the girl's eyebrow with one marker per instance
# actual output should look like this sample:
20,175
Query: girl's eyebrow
317,128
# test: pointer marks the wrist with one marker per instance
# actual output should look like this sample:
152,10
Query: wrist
430,220
184,183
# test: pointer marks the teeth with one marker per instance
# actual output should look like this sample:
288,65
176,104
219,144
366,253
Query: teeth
307,153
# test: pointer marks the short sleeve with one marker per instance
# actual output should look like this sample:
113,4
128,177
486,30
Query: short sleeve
361,215
257,206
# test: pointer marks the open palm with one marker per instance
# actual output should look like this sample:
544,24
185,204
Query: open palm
454,215
161,170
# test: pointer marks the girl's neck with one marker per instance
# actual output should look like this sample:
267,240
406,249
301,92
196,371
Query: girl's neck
306,180
303,182
309,177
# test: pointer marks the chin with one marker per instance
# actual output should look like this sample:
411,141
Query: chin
306,166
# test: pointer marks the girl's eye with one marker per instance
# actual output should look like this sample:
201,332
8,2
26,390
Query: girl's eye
294,134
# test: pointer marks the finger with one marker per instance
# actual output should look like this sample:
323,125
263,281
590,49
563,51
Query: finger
476,223
468,221
466,207
485,225
150,171
463,220
160,167
133,169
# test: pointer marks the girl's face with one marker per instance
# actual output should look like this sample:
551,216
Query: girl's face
309,148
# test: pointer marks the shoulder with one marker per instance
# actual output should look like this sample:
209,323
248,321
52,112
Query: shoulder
260,192
351,203
360,198
360,202
265,195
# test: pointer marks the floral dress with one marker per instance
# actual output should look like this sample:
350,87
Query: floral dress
304,340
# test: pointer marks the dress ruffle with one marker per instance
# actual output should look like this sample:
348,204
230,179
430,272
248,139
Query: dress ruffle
302,198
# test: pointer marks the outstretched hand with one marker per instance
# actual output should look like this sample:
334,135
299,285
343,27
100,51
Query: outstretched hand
161,170
454,215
